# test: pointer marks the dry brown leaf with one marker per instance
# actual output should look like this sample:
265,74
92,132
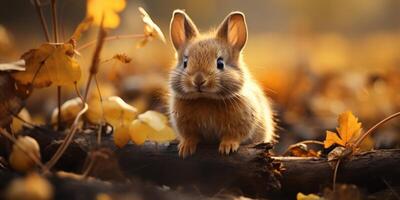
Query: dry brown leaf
10,100
302,150
122,58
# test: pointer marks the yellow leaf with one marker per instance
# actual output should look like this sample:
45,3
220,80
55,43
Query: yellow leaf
154,119
301,196
19,160
332,138
348,130
82,27
69,110
50,63
139,131
32,187
166,134
108,8
114,109
348,126
17,124
151,30
121,135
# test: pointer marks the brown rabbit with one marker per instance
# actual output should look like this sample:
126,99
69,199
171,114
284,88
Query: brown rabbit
213,96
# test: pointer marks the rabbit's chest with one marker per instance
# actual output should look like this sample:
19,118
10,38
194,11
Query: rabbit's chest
211,116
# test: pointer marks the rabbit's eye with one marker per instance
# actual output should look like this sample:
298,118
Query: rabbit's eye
185,60
220,63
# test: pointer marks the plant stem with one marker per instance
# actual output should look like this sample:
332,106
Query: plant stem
94,67
360,139
68,139
42,20
87,88
59,108
335,174
110,38
55,32
55,22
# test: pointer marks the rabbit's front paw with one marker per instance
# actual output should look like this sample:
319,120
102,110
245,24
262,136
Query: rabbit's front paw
228,146
187,147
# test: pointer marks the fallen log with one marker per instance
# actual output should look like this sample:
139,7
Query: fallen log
250,171
368,170
245,171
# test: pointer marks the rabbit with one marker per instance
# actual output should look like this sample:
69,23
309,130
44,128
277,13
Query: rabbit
213,95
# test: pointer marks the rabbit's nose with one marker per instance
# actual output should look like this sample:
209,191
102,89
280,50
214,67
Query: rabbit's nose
199,80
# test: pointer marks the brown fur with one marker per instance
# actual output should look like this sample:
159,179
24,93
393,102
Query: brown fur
230,108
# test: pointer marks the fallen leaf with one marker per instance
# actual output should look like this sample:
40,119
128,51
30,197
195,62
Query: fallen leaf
50,63
166,134
19,160
348,130
152,126
121,135
69,110
138,131
302,150
107,8
113,110
32,187
301,196
154,119
17,124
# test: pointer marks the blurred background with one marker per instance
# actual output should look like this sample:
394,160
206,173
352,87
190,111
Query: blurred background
315,59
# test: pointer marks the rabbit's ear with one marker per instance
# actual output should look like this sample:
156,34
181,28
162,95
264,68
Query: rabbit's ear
234,30
182,29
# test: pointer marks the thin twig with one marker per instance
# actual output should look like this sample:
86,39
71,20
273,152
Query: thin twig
96,58
42,20
335,171
55,22
68,139
110,38
101,103
59,108
391,189
16,116
358,142
55,32
90,165
77,92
